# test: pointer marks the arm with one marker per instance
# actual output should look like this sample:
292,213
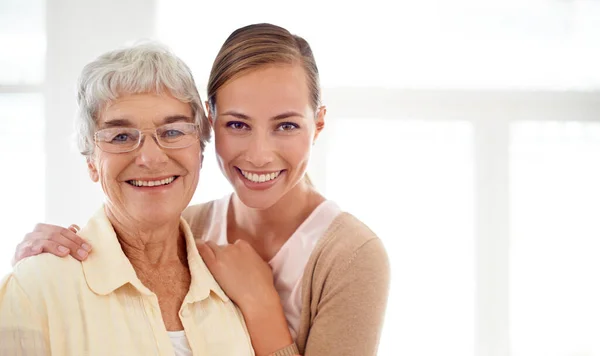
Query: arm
266,325
52,239
349,315
248,281
60,241
22,331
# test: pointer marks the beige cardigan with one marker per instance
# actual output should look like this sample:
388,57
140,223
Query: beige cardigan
344,287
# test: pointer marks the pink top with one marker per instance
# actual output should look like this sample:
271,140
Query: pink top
289,262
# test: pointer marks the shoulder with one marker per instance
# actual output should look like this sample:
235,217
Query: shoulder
344,290
348,238
197,216
348,249
45,275
194,212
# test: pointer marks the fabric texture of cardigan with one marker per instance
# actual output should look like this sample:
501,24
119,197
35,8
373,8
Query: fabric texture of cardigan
345,287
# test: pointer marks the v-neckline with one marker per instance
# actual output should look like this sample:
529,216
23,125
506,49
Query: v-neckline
225,224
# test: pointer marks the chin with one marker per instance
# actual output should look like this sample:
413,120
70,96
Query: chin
156,213
260,200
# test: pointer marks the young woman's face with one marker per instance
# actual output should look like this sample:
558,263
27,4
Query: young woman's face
264,130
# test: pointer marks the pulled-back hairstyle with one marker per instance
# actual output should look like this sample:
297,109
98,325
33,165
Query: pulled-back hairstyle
258,45
147,67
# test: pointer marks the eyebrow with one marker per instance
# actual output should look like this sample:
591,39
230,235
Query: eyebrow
117,123
176,118
282,116
122,122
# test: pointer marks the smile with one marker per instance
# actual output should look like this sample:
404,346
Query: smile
152,183
260,178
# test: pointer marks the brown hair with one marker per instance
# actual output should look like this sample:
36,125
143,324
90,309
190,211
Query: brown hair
255,46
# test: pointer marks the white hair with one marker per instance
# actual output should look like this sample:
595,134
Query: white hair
147,67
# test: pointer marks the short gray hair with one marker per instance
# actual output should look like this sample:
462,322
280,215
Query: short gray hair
145,67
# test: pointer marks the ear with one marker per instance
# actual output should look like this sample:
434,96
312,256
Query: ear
320,121
209,114
92,170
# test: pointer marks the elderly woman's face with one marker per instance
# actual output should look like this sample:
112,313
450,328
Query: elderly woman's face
151,183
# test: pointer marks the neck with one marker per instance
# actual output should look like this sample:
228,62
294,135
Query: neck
278,222
149,244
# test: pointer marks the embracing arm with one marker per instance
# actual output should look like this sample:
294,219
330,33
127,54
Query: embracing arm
267,325
248,281
52,239
348,316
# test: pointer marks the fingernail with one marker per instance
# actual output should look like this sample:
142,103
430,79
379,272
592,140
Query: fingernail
37,249
86,247
81,253
63,249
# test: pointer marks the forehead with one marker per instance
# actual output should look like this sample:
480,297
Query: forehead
274,87
142,109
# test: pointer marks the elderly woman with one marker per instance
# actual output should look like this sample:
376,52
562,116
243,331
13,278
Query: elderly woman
145,290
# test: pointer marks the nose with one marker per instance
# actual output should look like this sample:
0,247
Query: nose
150,154
260,151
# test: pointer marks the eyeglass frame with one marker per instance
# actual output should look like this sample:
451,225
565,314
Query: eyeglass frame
154,134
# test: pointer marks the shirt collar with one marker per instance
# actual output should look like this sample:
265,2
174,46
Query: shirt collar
107,268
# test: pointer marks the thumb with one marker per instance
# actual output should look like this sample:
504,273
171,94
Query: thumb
207,254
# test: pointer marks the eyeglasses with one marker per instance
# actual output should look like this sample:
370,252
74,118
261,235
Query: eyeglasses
127,139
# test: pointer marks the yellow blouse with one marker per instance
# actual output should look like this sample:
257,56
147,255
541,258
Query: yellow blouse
60,306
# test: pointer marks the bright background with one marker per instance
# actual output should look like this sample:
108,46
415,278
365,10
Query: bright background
465,134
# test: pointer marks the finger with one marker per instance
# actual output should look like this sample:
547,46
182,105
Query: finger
245,247
73,243
50,246
74,227
216,249
35,247
210,258
25,249
58,244
46,231
46,228
243,244
206,253
71,235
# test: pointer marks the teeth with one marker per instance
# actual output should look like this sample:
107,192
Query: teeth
253,177
151,183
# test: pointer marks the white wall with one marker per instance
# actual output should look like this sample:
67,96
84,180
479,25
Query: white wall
466,134
77,32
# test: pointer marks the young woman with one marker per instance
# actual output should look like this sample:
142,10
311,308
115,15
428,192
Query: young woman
277,247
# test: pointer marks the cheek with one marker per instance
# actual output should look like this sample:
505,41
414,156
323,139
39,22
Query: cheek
226,146
109,170
190,160
196,165
296,150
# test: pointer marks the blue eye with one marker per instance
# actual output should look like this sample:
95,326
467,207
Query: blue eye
172,133
121,138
